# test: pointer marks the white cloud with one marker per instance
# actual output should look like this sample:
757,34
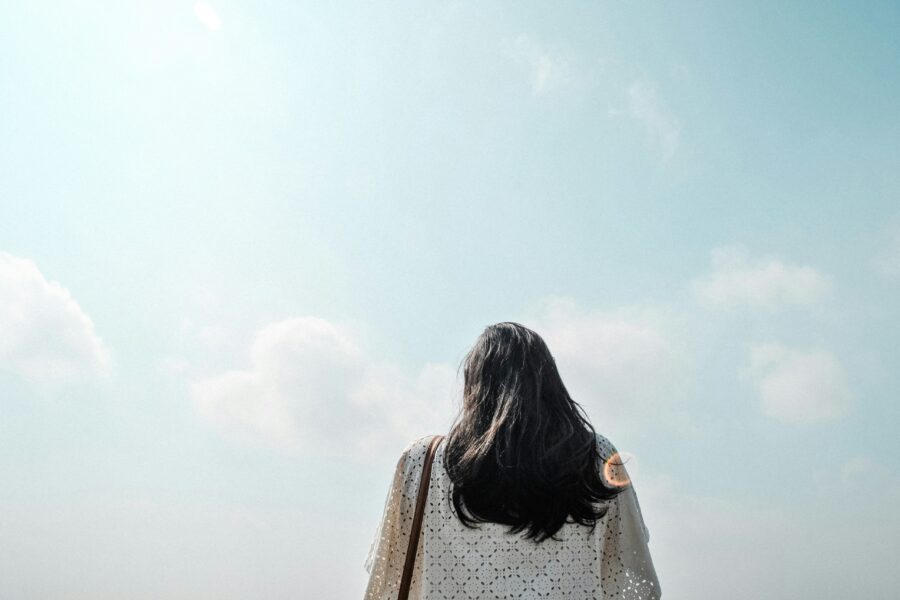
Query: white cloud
624,364
548,68
764,283
311,387
797,386
644,106
45,336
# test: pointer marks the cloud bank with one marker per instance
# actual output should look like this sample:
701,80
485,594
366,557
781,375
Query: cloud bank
45,336
798,386
310,387
767,283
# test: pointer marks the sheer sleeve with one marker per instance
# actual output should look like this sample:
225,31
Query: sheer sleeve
627,571
387,552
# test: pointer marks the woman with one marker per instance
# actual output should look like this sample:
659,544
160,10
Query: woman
525,499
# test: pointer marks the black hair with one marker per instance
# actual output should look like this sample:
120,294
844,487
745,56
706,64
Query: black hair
522,452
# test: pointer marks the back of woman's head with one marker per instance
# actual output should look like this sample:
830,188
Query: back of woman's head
522,452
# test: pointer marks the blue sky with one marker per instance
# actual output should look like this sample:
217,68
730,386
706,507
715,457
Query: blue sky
244,246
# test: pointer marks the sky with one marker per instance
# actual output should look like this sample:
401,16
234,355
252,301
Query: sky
245,246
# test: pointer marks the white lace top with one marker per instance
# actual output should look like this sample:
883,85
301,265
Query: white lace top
454,562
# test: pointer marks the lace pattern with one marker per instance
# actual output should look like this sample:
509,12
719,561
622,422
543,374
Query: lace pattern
452,562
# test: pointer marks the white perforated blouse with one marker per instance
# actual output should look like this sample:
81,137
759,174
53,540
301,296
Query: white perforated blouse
454,562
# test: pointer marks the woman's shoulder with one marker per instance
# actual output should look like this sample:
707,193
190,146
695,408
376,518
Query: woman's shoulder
613,469
414,452
606,447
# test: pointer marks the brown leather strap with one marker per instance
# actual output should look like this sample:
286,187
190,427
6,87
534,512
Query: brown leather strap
411,550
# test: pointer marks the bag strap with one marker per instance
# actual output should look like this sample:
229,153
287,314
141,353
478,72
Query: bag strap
411,550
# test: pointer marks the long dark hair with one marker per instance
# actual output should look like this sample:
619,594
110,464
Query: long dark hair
522,452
